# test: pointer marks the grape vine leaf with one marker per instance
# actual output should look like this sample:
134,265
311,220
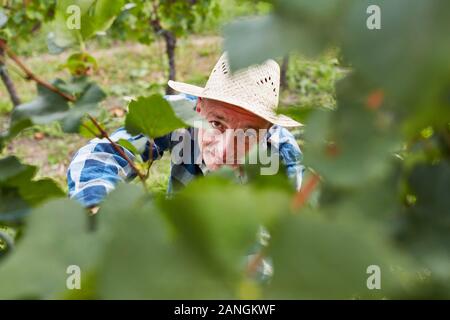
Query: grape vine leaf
302,25
316,257
93,16
19,192
47,107
50,106
87,103
222,230
56,238
142,257
152,116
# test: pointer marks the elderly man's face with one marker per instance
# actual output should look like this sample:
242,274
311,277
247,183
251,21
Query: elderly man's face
233,132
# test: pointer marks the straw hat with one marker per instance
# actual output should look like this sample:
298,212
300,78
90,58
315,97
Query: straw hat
255,89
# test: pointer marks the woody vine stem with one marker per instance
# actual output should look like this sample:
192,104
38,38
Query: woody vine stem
29,75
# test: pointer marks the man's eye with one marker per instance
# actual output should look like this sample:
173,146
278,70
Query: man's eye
216,124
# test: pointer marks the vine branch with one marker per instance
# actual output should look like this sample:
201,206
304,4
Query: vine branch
103,134
305,192
30,75
116,147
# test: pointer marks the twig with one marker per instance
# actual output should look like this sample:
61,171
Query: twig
12,67
104,134
302,196
298,201
118,148
254,262
30,75
8,82
150,157
90,130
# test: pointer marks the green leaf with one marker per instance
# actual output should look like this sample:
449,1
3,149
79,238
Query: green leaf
128,145
14,176
86,104
152,116
95,16
56,238
423,35
18,192
352,145
319,258
302,25
185,110
17,127
315,10
40,191
423,226
89,130
50,106
47,107
222,229
142,260
299,114
10,167
76,85
430,184
3,140
101,17
6,243
280,37
119,258
13,207
81,63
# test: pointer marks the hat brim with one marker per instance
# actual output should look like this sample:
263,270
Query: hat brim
197,91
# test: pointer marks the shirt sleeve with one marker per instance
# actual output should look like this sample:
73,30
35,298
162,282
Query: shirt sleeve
97,167
291,155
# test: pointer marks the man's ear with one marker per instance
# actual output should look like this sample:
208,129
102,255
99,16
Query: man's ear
199,103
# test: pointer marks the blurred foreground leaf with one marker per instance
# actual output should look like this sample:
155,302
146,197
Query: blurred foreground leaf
55,239
302,25
143,259
319,258
222,229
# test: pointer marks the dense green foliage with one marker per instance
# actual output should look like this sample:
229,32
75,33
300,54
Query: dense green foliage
178,17
382,152
20,19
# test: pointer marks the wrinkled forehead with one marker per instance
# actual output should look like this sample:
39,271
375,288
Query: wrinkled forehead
232,115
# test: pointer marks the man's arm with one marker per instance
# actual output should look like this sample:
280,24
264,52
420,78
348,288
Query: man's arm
289,151
97,167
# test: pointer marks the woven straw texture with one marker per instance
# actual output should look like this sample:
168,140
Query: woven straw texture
255,89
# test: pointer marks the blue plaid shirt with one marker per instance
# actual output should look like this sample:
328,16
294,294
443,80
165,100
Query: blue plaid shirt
97,167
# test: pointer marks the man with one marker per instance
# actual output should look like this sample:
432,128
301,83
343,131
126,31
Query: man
245,101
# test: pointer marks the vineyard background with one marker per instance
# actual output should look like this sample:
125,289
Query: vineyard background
130,68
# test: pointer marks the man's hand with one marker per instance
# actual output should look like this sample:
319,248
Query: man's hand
93,210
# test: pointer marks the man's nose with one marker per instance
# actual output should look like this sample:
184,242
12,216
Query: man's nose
211,136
